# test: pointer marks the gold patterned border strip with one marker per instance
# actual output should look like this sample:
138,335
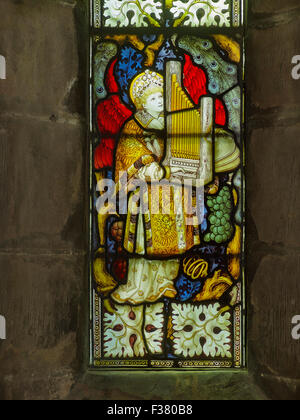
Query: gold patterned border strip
97,326
236,8
97,14
205,364
237,338
162,363
121,363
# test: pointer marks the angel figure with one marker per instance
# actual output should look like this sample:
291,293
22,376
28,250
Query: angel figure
154,240
157,240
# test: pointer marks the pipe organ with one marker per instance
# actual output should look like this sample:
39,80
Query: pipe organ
189,149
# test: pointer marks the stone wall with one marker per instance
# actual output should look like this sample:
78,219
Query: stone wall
44,208
273,176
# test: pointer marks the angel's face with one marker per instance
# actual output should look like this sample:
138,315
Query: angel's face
154,103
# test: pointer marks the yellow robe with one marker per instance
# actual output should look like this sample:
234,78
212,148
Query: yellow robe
153,235
155,241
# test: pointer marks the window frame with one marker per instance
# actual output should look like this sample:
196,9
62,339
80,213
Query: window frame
197,31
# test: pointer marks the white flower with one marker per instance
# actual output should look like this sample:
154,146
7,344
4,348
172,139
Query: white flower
123,336
116,12
201,330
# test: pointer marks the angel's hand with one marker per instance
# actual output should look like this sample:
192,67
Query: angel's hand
155,172
151,172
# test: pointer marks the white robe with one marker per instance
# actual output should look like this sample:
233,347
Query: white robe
148,281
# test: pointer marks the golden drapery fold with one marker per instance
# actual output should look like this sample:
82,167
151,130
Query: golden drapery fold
153,234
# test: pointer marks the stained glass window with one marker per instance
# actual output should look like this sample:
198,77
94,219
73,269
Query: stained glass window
167,287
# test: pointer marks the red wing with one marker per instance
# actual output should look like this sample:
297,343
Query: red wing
220,113
110,81
195,82
111,115
104,154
